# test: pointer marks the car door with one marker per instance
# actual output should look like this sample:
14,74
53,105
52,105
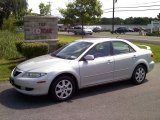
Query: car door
124,58
100,69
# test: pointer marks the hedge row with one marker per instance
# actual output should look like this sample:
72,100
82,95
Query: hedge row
154,33
30,50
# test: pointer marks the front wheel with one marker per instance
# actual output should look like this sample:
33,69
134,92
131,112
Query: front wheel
139,74
62,89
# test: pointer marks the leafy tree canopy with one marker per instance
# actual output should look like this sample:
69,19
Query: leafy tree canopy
12,7
44,9
87,11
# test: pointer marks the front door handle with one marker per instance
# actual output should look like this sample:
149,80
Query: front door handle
134,57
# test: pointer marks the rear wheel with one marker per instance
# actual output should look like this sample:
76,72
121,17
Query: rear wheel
139,74
62,89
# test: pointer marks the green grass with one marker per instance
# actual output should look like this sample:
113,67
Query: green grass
67,38
155,49
7,44
10,58
6,66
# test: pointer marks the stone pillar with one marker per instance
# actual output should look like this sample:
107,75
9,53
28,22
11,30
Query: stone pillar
41,29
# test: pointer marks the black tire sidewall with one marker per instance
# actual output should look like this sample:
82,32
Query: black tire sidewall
53,85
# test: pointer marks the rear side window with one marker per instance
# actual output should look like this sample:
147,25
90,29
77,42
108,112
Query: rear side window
121,48
100,50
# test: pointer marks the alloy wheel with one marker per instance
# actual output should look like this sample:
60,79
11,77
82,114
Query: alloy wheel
63,89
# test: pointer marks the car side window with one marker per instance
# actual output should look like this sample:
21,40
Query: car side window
100,50
121,48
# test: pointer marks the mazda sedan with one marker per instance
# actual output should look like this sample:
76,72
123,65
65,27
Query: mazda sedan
81,64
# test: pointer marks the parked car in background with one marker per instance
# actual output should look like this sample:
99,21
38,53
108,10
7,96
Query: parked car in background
136,29
130,30
81,64
97,29
77,30
121,30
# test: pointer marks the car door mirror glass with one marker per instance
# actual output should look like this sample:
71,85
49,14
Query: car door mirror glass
89,57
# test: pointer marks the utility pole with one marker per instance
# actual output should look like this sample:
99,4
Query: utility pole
82,13
114,1
50,4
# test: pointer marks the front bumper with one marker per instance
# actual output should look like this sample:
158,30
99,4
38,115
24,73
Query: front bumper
31,86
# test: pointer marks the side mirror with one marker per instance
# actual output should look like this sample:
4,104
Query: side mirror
89,57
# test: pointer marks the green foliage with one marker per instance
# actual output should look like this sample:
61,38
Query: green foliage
7,44
154,33
108,21
30,50
138,21
127,21
87,11
12,7
61,44
44,9
9,24
18,46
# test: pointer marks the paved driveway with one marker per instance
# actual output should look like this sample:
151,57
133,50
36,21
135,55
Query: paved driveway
116,101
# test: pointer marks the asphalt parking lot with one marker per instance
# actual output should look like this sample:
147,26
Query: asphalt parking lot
115,101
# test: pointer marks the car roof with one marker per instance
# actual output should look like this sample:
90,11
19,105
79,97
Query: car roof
99,40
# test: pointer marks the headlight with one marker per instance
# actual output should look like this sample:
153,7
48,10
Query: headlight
33,75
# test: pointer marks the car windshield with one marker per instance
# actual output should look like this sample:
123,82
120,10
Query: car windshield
72,50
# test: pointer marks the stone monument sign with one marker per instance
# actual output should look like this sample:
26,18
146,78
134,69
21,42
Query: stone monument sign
41,29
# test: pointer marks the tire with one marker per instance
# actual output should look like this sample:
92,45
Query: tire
62,89
139,74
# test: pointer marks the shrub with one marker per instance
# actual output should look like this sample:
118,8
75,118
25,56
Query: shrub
30,50
9,24
154,33
61,44
18,46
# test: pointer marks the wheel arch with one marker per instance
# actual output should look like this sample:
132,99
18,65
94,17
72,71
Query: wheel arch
66,74
142,63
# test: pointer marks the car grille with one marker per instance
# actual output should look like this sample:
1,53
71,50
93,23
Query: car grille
16,73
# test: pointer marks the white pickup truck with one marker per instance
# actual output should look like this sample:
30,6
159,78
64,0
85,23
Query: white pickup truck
77,30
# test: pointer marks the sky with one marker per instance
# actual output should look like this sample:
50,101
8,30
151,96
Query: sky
107,7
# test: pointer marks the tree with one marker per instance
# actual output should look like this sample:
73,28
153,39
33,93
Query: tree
138,21
12,7
108,21
45,9
82,11
158,16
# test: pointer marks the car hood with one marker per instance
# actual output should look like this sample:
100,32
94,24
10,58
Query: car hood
41,62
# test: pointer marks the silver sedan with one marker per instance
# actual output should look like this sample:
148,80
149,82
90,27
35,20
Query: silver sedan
81,64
